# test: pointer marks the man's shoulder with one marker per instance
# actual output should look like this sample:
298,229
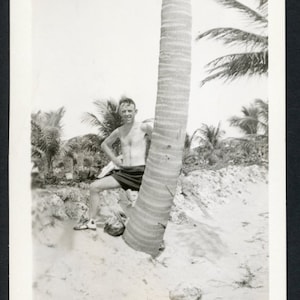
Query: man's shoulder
143,126
146,126
138,125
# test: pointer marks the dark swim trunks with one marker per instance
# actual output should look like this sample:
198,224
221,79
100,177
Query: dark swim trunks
129,177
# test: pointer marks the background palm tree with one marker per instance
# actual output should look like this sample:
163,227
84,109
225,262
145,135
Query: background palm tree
211,135
46,129
253,60
106,120
188,156
263,111
254,119
210,143
254,124
70,148
149,217
248,123
187,144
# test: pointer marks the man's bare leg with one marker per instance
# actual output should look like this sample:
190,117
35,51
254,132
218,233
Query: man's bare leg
96,187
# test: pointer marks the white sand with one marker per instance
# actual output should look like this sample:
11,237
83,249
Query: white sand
222,249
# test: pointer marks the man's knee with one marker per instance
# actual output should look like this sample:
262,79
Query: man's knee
96,187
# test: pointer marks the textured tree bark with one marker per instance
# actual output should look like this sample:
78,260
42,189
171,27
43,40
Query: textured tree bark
149,218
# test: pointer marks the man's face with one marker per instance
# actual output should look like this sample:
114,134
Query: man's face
127,113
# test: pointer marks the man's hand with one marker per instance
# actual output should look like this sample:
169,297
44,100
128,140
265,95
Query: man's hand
118,162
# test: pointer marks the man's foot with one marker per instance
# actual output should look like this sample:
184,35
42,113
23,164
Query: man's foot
88,224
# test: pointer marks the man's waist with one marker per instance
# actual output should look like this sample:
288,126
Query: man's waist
132,166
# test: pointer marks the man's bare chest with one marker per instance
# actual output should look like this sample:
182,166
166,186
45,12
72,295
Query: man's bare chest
135,136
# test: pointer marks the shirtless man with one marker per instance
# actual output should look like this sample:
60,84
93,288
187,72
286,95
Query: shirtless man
131,168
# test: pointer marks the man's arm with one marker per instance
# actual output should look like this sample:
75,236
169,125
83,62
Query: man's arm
106,146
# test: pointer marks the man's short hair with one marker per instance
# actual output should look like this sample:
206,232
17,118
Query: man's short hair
126,101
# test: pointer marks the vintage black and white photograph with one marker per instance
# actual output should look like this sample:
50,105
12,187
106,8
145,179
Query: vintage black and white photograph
149,150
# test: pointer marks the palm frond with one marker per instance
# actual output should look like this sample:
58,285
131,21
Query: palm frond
51,138
101,107
112,117
247,124
250,13
37,139
46,129
108,118
233,36
194,134
35,129
211,134
263,108
250,111
263,7
54,118
35,116
112,106
249,121
36,152
263,2
237,121
254,120
104,106
92,120
263,127
263,113
232,66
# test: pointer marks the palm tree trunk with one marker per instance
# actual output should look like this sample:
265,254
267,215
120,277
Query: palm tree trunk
148,219
50,165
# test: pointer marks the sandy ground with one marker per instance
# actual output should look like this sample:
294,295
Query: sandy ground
216,241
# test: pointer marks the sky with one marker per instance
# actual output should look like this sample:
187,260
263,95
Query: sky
85,50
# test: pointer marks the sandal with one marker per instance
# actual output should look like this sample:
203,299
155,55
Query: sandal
89,224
